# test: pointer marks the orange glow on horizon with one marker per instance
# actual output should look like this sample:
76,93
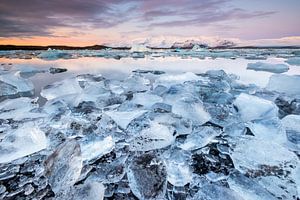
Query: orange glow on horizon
45,41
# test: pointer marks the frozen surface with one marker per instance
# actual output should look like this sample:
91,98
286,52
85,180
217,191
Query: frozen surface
159,132
293,61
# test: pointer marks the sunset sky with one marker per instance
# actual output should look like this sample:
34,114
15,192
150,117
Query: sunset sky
88,22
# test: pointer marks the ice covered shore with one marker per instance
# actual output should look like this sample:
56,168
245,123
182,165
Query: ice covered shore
152,135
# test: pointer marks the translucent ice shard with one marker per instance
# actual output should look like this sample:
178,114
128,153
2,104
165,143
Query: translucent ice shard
94,147
89,190
65,87
155,137
136,83
25,140
147,176
199,138
19,109
63,166
178,168
251,154
248,188
146,99
123,118
191,110
251,107
12,85
215,192
293,61
275,68
285,84
168,80
292,126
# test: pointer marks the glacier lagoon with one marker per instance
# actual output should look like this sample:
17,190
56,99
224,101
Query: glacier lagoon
149,125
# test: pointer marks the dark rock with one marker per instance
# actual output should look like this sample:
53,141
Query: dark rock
54,70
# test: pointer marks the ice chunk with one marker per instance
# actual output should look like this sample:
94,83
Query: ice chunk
65,87
63,166
251,107
215,192
275,68
95,148
248,188
25,140
147,176
251,153
136,83
12,85
199,138
123,118
285,84
139,48
168,80
178,168
111,170
155,137
146,99
191,110
292,126
293,61
89,190
19,109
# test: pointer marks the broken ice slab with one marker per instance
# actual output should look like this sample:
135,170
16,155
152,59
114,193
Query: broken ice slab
92,148
168,80
251,107
109,169
19,109
288,84
64,87
210,191
275,68
178,168
199,138
123,118
147,176
248,188
146,99
191,110
156,136
136,83
12,86
25,140
265,129
251,153
89,190
292,125
293,61
63,166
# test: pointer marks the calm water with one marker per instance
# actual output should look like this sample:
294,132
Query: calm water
112,68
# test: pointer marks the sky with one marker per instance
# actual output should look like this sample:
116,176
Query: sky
89,22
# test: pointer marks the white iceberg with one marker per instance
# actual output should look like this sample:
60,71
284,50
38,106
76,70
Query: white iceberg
285,84
275,68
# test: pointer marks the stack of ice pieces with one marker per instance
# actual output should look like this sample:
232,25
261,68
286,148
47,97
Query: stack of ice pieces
151,136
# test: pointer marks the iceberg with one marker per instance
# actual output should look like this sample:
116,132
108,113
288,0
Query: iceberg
123,118
275,68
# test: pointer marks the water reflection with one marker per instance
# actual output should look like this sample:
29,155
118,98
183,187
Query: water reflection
116,69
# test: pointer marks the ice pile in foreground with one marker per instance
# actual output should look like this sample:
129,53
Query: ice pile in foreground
152,136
